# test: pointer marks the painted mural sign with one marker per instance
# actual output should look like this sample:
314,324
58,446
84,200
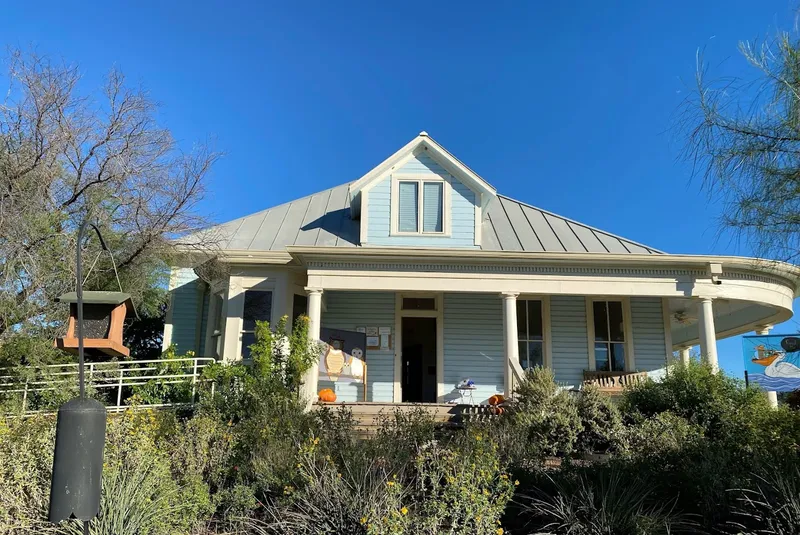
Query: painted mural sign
343,356
773,361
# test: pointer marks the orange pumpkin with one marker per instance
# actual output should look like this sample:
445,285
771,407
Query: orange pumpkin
494,409
327,395
496,399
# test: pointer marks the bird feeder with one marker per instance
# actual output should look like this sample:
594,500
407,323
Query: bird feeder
104,314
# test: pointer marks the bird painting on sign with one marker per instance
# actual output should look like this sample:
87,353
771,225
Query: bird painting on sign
773,361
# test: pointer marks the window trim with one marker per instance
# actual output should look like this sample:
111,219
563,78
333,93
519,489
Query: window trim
627,327
547,347
420,179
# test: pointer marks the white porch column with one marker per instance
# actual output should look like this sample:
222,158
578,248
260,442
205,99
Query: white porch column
708,337
772,396
510,344
314,325
686,357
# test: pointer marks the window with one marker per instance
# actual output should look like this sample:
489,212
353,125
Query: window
257,307
420,206
299,307
609,336
419,303
530,333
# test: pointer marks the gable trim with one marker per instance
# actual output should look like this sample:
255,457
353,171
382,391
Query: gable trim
452,165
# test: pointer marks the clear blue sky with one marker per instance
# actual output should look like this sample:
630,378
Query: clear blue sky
565,105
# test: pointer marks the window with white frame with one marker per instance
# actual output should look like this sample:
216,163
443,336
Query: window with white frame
530,333
257,307
420,206
609,336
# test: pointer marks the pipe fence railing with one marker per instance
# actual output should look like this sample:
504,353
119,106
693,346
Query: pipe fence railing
106,377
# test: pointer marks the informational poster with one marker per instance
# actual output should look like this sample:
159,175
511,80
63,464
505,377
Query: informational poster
344,356
773,361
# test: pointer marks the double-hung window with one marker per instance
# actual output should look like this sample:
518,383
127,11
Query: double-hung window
420,206
609,336
257,307
530,333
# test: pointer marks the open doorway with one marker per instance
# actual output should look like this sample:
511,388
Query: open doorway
419,360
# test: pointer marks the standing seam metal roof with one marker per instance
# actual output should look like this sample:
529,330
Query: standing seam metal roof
323,219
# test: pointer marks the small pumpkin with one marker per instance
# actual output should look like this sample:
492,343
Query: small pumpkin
327,395
496,399
494,409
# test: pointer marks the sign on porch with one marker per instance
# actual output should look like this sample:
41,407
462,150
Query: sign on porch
344,357
772,361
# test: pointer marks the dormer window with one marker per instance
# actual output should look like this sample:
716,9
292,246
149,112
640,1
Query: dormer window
419,206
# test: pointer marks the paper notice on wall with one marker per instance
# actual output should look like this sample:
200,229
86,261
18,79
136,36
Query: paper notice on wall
385,330
372,342
372,331
361,329
384,341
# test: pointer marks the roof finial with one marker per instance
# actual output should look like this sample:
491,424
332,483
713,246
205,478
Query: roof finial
423,134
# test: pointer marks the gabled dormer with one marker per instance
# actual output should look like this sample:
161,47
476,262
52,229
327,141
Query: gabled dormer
421,196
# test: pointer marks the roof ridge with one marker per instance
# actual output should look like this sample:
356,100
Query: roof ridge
594,229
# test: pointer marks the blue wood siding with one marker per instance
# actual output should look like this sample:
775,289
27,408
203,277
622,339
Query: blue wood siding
185,308
462,216
201,351
473,344
348,310
569,338
649,346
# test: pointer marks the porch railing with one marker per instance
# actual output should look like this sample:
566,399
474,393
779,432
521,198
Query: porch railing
612,382
117,378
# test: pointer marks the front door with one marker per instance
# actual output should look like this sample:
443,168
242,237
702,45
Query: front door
419,360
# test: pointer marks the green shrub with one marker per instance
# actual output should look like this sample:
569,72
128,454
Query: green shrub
603,500
547,416
665,433
601,422
771,503
460,488
157,391
26,461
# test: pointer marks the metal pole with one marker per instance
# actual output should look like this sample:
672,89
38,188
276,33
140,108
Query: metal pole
79,292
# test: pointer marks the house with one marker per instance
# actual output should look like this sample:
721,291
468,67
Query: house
462,282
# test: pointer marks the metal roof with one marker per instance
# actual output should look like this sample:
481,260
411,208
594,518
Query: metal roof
323,219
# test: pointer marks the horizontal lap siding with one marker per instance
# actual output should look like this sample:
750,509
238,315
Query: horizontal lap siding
649,347
473,344
569,338
184,309
347,311
462,216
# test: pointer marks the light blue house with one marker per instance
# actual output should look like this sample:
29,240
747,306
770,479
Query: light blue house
451,280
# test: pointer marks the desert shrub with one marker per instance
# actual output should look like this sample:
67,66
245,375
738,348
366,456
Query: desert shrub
771,503
546,415
461,488
332,499
601,422
694,392
26,461
402,434
605,499
662,434
156,391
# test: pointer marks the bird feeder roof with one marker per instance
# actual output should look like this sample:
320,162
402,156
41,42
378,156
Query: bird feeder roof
99,298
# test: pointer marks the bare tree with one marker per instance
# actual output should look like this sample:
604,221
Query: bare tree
744,141
64,155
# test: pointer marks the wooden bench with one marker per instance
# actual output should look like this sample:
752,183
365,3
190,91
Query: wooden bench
612,382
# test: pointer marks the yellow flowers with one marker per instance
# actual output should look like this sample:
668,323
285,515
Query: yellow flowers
516,482
363,520
390,483
287,490
478,437
404,510
499,531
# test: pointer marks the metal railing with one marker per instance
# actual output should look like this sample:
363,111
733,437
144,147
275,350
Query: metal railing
107,376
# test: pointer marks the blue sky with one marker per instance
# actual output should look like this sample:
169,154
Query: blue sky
565,105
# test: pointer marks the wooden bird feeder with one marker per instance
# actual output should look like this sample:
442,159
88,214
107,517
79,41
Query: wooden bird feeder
103,316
